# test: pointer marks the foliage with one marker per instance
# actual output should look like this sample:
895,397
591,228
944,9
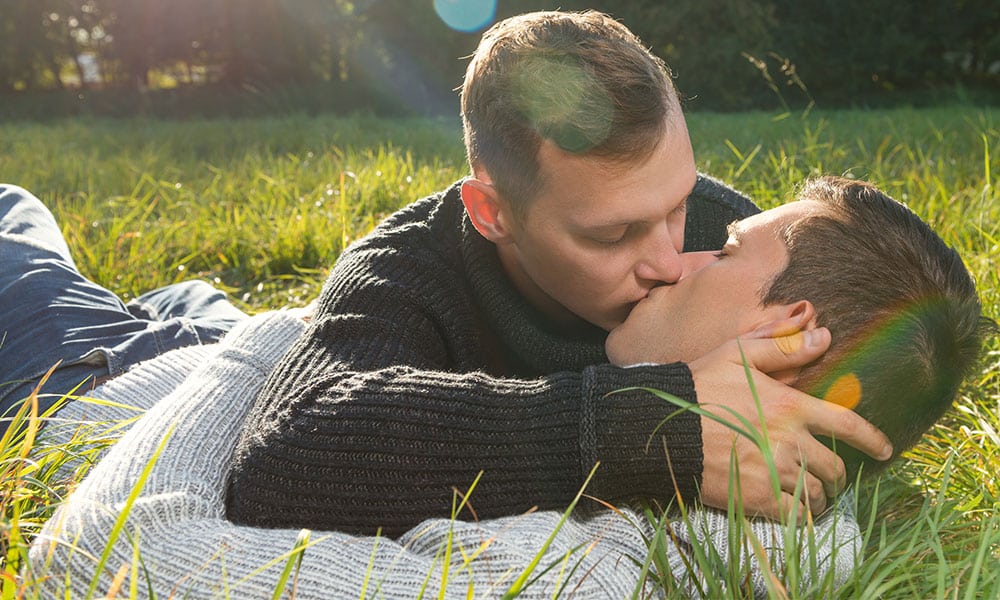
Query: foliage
399,57
263,206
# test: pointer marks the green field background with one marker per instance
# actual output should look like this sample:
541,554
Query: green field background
262,207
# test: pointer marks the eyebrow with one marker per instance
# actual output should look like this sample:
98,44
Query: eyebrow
734,232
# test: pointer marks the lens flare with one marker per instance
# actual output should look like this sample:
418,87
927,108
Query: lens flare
887,358
466,15
845,391
563,102
790,344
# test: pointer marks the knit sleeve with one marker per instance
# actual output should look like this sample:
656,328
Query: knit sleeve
384,408
347,456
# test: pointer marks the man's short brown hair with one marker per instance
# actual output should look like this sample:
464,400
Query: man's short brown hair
579,79
901,307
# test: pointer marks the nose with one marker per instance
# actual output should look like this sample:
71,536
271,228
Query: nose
661,261
692,262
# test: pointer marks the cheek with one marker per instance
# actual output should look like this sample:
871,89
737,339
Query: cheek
677,233
600,274
704,321
604,276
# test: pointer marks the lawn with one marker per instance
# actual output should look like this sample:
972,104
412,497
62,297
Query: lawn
263,207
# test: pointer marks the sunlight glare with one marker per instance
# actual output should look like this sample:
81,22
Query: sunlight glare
466,15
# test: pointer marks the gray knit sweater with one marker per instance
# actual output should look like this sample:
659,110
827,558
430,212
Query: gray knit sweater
176,526
424,366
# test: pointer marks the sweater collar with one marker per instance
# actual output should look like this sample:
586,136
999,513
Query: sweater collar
530,337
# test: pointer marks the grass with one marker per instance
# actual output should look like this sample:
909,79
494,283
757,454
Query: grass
262,207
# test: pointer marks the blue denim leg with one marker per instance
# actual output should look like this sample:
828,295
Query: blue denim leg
50,313
203,304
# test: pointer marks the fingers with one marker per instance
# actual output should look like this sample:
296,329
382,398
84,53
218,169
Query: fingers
846,427
806,468
770,354
806,481
792,508
779,328
825,466
805,486
815,490
779,509
797,499
788,470
824,470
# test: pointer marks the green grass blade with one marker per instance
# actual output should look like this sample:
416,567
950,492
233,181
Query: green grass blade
294,562
116,530
519,584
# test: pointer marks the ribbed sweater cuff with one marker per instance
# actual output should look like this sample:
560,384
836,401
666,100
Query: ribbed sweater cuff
644,443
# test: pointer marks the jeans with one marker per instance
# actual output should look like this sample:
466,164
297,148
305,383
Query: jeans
50,313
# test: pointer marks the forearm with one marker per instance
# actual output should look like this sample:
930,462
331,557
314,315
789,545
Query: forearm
386,449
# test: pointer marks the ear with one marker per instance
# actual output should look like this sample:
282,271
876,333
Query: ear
788,319
779,320
486,209
805,312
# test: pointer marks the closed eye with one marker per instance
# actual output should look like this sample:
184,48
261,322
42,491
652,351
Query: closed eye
613,242
612,237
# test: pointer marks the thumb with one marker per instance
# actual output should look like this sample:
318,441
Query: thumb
770,354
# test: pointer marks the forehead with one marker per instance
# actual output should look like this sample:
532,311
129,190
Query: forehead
592,191
776,219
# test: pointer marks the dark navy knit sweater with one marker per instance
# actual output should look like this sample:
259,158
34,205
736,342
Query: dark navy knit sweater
423,367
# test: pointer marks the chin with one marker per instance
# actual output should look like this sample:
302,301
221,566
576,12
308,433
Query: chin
614,352
615,320
609,324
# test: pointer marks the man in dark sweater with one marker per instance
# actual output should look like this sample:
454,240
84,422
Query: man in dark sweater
465,334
